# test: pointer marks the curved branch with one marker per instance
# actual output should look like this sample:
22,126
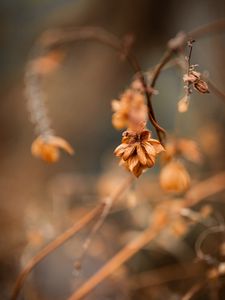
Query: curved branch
55,38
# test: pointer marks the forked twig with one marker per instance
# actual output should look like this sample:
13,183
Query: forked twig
194,290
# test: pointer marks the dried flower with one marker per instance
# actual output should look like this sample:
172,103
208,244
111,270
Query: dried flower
138,151
174,178
201,86
47,148
192,77
195,78
131,104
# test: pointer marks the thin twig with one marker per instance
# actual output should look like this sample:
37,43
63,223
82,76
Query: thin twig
148,235
121,257
205,188
194,290
58,37
216,90
166,274
65,236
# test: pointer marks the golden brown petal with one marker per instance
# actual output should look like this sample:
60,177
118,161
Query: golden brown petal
59,142
129,151
120,150
132,162
141,155
157,146
47,148
150,161
149,149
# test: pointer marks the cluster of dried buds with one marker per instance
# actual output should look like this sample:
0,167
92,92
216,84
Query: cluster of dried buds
46,146
192,78
138,150
174,178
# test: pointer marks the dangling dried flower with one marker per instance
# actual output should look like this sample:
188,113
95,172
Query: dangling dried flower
201,86
47,148
138,151
131,101
194,78
174,178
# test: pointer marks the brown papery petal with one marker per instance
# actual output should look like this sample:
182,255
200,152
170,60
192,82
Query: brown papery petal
129,151
150,161
132,162
149,149
60,143
138,169
141,155
157,146
120,150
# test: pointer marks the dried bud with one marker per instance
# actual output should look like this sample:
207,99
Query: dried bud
47,63
174,178
138,151
47,148
183,104
201,86
192,77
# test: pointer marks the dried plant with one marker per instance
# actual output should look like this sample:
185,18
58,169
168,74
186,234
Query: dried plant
171,216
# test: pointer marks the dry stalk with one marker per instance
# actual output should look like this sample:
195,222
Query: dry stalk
159,222
202,190
68,234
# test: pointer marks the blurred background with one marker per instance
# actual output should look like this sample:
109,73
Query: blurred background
39,200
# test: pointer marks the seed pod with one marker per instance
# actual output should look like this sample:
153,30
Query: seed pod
174,178
201,86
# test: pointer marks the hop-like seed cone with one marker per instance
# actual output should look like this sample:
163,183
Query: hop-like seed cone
174,178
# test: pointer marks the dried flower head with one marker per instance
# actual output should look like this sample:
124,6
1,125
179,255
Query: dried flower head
130,104
194,78
174,178
138,151
201,86
47,148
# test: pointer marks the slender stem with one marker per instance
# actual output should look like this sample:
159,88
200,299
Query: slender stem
68,234
216,90
194,290
56,38
159,222
121,257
